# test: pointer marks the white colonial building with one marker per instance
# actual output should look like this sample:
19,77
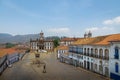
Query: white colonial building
62,50
97,54
42,44
67,41
115,59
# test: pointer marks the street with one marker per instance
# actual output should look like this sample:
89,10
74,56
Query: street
55,70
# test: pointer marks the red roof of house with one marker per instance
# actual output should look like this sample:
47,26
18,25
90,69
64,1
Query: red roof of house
68,39
4,51
99,40
113,37
62,48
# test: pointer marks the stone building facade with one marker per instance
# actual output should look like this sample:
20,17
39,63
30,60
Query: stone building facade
41,43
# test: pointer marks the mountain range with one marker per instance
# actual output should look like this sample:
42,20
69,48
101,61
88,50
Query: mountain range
8,38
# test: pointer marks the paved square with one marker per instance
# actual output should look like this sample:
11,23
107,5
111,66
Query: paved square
26,70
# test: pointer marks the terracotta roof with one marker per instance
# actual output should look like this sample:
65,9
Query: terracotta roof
113,37
89,40
62,48
4,51
68,39
100,40
115,40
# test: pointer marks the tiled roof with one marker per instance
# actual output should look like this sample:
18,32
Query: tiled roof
100,40
88,40
113,37
4,51
68,39
114,40
62,48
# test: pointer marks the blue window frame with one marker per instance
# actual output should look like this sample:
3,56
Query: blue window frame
116,68
116,53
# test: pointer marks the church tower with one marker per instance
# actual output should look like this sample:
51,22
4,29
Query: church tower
85,35
41,41
89,34
41,35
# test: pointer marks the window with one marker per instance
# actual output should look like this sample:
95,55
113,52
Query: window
106,54
100,53
96,52
92,52
116,53
116,67
87,51
84,51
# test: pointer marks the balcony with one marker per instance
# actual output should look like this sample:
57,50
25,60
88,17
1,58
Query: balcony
76,52
87,54
101,57
106,58
92,55
96,56
80,53
84,53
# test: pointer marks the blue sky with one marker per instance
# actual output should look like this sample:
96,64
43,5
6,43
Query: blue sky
60,17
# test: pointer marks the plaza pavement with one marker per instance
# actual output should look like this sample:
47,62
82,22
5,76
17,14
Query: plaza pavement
55,70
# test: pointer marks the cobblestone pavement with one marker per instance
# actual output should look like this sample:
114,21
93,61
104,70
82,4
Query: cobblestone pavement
26,70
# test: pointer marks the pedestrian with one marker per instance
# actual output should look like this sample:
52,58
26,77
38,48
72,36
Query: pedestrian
44,68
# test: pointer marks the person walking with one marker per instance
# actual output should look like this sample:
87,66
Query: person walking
44,68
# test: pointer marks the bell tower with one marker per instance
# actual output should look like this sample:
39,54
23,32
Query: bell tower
41,35
41,41
85,35
89,34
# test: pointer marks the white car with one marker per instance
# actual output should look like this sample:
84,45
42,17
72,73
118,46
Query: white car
44,51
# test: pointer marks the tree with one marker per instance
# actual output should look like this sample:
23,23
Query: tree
9,45
56,42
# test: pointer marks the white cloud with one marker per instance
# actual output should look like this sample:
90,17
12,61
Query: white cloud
115,20
110,26
108,22
91,29
95,29
106,28
100,30
59,30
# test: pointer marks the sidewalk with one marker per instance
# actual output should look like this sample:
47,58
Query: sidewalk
96,74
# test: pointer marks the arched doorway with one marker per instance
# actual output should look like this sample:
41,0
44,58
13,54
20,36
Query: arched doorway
87,51
100,67
95,67
106,54
84,64
96,52
91,66
84,51
88,65
92,52
106,71
100,53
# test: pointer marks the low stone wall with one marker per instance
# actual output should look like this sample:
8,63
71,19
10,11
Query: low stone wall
3,63
9,59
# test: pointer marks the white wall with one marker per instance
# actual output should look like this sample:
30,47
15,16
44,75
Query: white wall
112,60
